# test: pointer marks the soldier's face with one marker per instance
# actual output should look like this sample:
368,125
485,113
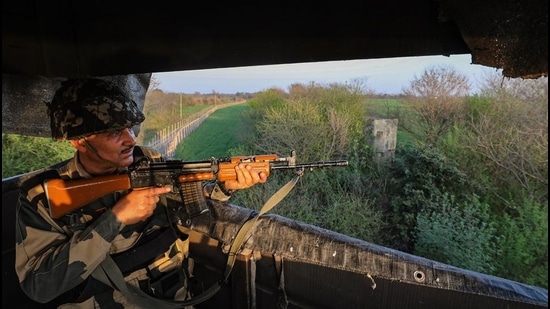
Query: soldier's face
116,147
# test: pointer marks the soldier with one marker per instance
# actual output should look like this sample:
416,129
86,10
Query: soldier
56,258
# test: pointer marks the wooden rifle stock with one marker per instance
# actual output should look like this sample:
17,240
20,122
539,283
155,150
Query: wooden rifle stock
67,196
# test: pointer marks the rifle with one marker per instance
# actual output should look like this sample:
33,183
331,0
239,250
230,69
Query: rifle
66,196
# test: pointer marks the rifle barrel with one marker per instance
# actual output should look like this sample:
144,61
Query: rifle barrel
312,165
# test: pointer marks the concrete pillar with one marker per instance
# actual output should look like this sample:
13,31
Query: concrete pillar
383,137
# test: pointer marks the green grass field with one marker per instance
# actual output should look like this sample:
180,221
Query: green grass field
222,131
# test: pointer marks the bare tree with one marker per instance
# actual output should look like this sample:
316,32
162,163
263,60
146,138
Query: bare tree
436,99
154,83
495,85
511,133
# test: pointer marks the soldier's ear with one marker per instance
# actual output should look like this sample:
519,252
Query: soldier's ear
77,143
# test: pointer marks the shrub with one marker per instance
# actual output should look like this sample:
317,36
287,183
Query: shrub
22,154
458,234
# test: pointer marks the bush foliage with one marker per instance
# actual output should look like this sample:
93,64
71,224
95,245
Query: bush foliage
23,154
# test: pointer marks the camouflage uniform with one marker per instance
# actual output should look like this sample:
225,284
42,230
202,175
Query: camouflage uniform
55,258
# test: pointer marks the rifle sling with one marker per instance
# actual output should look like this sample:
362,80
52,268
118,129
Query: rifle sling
109,273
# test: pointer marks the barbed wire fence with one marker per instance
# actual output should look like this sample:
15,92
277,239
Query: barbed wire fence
167,140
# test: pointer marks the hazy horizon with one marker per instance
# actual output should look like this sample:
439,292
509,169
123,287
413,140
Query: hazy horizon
383,76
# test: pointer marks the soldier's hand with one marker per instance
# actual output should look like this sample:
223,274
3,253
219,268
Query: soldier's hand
246,177
138,205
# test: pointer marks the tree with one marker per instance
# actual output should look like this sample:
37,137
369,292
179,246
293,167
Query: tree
436,99
496,86
154,83
503,148
510,136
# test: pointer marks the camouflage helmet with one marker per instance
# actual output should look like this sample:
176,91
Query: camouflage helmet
82,107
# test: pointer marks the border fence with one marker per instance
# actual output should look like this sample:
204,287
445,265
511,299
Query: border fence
167,140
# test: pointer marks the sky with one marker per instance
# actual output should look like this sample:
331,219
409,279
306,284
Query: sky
387,75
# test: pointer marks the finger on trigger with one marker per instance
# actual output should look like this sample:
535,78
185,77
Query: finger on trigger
162,190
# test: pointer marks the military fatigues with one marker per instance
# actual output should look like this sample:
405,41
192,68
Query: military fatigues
55,257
